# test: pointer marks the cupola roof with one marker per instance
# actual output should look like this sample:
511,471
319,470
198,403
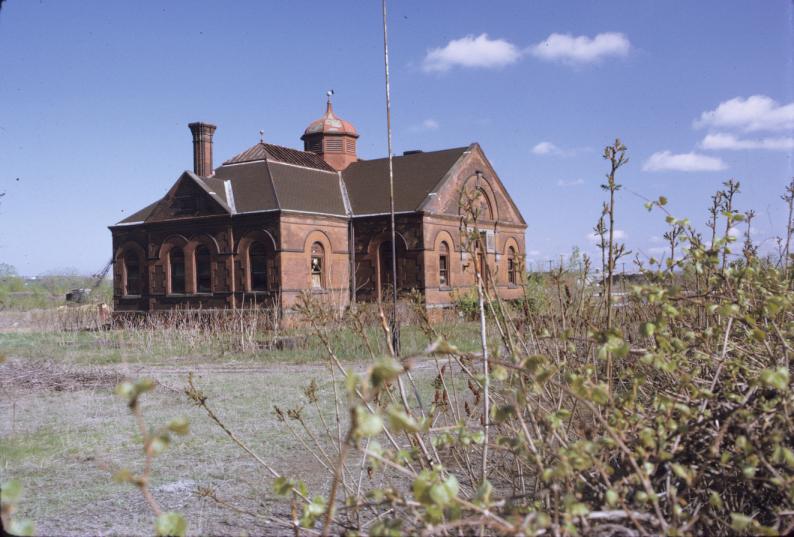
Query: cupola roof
330,123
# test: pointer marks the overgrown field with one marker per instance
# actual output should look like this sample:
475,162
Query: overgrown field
656,406
64,434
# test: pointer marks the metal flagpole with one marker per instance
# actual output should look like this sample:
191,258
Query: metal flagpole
395,328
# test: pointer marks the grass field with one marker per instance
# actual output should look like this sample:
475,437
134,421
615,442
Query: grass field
63,433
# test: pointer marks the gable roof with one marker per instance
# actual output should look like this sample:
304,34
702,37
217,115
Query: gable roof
268,177
416,175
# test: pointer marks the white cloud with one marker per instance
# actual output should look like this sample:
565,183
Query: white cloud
550,149
722,140
546,148
755,113
581,49
533,253
658,250
682,162
470,51
618,235
575,182
430,124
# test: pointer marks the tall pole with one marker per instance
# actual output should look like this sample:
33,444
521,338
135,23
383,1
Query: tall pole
395,330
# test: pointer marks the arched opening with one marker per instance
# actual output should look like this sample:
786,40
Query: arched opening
258,261
176,267
483,206
443,265
317,266
385,267
511,266
132,273
203,270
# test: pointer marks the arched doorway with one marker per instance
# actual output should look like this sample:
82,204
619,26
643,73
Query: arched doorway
385,279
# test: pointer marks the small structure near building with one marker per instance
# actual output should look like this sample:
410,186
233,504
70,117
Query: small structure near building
272,222
78,296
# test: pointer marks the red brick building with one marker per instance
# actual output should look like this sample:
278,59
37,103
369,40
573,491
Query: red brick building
272,222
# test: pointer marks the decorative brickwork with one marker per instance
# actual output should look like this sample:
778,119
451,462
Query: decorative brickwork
274,222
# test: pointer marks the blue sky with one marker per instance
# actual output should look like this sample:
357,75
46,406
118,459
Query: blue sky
95,97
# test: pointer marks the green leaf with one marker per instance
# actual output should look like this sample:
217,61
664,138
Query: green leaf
144,385
125,390
367,424
648,329
662,200
775,378
171,524
11,492
439,495
600,395
352,380
612,497
22,528
484,492
385,371
499,373
180,426
682,472
442,346
282,486
158,444
740,522
312,511
400,421
123,476
451,485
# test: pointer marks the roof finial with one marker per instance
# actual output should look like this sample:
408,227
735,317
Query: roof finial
329,109
261,136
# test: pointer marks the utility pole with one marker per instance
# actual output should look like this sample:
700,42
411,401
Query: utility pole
395,327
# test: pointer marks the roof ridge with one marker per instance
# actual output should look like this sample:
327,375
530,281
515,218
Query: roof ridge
279,153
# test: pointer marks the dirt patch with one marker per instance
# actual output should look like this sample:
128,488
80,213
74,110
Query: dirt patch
21,374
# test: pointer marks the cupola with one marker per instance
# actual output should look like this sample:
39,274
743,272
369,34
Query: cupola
331,137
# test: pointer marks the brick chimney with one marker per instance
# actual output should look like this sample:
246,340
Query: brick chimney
202,147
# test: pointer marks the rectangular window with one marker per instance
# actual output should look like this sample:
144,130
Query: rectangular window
511,271
317,272
443,271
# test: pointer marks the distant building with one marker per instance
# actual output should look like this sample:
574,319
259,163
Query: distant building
272,222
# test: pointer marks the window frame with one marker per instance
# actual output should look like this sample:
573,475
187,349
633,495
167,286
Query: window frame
317,277
443,266
171,272
512,280
265,272
126,287
200,250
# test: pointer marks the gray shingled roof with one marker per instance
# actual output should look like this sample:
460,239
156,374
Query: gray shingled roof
277,153
268,177
415,176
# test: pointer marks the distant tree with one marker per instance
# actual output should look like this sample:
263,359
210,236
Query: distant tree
7,270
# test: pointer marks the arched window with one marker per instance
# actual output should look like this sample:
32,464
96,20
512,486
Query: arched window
443,265
132,273
318,266
257,258
511,266
484,206
203,270
176,263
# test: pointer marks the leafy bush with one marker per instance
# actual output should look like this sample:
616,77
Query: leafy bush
668,412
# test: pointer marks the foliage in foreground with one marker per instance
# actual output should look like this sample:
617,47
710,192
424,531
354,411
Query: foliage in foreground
666,413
